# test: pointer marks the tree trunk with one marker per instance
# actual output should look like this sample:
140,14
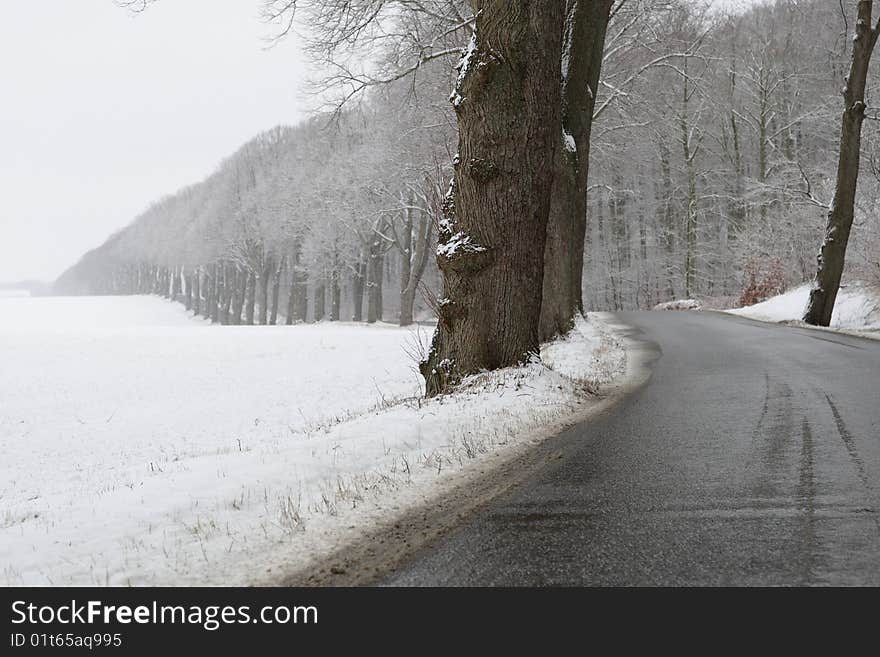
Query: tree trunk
302,311
689,152
320,295
208,288
229,282
840,218
584,48
215,293
188,285
251,297
263,287
291,293
421,246
301,289
197,291
357,291
276,292
406,255
494,228
240,282
335,296
374,284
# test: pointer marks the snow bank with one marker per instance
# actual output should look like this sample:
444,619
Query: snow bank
857,308
177,452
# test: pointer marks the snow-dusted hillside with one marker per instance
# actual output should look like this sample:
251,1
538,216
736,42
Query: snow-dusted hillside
141,446
857,308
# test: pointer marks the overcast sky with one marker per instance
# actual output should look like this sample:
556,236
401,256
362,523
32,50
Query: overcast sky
102,112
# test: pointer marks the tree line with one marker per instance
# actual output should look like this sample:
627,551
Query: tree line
602,155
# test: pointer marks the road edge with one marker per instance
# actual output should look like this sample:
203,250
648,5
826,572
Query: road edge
374,554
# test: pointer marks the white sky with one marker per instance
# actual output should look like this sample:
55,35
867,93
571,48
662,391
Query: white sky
102,112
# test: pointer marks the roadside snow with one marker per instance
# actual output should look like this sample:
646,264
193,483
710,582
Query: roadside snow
680,304
144,447
857,308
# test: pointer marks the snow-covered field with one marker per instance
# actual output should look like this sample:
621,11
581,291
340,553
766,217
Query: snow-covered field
141,446
857,308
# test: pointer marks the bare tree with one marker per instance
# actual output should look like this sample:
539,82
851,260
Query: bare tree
583,54
492,236
840,217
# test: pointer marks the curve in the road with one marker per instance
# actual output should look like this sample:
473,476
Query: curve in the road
751,456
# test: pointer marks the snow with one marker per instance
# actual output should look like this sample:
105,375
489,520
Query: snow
460,242
680,304
14,292
463,67
143,447
857,308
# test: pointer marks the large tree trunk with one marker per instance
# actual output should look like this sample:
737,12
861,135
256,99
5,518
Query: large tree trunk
584,47
840,218
492,236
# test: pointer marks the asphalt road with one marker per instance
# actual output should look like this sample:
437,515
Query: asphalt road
750,457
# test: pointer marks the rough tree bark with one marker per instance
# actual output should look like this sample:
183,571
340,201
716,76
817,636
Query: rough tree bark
583,50
840,217
494,228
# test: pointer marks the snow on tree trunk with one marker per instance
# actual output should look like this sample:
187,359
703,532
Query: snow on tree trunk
840,217
494,228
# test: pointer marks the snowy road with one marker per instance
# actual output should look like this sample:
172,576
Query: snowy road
751,456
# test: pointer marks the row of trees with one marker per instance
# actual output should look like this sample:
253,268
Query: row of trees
610,154
301,224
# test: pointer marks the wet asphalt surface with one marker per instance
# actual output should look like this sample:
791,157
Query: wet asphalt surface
750,457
